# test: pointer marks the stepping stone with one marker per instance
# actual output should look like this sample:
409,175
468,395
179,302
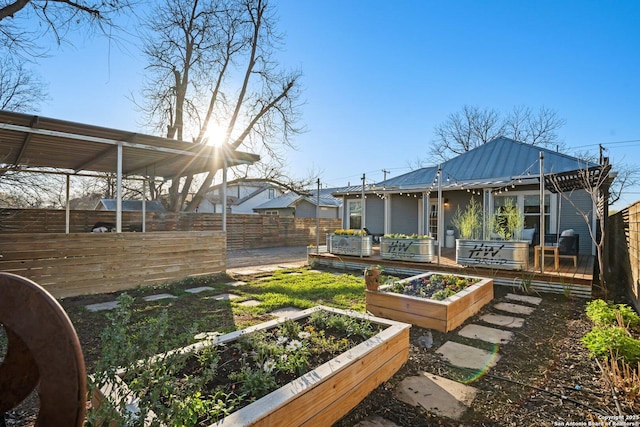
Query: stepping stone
525,298
465,356
250,303
224,297
236,283
514,308
484,333
109,305
157,297
500,320
285,311
294,273
438,395
206,335
376,422
199,289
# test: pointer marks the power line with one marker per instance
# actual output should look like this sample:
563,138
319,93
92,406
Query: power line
607,143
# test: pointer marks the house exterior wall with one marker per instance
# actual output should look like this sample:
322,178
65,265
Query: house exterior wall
375,214
570,217
239,191
404,217
305,209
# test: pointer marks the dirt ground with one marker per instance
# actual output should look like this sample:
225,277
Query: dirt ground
544,377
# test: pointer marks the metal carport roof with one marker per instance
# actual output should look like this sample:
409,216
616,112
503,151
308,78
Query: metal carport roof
30,142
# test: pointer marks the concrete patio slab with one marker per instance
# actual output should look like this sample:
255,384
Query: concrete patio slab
501,320
109,305
285,311
465,356
250,303
436,394
513,308
199,289
525,298
487,334
157,297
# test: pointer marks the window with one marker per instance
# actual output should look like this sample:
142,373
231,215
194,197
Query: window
271,212
532,211
272,193
354,213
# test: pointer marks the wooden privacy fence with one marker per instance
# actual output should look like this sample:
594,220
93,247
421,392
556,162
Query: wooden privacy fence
243,231
623,244
88,263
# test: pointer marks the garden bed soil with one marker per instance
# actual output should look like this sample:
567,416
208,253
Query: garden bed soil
544,360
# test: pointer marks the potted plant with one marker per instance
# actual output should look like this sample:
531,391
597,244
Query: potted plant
372,277
350,242
410,247
503,253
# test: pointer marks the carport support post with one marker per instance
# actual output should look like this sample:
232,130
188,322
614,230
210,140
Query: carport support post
67,213
119,191
318,219
224,193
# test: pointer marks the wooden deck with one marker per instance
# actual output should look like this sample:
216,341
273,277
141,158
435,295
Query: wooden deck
567,279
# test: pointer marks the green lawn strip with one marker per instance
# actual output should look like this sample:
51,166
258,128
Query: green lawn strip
304,290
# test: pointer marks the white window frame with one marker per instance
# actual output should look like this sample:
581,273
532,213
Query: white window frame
553,204
350,209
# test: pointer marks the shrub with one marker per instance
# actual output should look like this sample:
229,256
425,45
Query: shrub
603,314
603,341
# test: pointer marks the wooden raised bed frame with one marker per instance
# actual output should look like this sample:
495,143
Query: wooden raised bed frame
326,394
443,316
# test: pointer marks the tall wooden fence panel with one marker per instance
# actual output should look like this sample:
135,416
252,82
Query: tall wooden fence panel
623,244
243,231
87,263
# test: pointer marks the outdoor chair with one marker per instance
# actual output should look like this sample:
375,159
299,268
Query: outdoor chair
568,244
375,236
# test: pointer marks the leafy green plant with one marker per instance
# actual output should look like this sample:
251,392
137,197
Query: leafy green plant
509,221
601,341
407,236
603,313
350,232
469,222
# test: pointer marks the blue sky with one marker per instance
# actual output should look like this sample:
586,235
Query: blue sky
378,76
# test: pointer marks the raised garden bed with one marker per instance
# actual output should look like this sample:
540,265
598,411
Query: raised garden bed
321,396
444,315
355,245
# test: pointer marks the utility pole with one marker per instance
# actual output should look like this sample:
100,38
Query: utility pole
385,172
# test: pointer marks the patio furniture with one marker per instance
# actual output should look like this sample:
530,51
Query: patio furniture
568,244
544,249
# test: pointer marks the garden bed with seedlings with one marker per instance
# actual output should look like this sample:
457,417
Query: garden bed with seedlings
435,301
545,375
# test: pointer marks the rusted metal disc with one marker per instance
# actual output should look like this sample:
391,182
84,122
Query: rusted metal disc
44,347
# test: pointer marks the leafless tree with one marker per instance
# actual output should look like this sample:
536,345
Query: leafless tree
23,22
473,126
596,182
211,64
20,89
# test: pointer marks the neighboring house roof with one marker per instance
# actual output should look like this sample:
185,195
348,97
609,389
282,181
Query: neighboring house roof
131,205
232,200
290,199
494,163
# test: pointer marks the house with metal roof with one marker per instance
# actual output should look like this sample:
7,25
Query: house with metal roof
425,201
242,196
307,205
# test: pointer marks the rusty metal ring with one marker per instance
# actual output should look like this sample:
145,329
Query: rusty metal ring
43,348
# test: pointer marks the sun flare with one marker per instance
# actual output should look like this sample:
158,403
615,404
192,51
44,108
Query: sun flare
215,134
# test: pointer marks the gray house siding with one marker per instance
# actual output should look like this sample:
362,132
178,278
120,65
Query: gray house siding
405,214
375,214
569,217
